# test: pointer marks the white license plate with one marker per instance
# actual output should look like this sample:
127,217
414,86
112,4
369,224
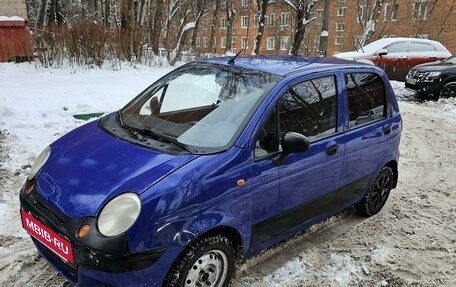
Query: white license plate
411,81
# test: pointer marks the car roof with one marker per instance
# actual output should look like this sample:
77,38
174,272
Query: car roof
386,41
283,65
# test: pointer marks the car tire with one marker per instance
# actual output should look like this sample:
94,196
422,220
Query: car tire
377,195
448,90
209,262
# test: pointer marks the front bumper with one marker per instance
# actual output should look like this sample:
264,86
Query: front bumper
95,257
424,87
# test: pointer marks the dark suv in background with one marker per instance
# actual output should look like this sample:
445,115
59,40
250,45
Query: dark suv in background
434,80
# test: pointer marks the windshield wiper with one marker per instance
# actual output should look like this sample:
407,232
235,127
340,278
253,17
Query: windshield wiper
165,138
137,134
131,130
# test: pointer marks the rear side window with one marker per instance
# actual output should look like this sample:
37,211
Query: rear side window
422,47
366,98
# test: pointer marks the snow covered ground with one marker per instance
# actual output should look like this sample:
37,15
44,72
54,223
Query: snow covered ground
412,242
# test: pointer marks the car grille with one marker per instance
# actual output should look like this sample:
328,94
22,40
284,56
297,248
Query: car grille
54,259
50,217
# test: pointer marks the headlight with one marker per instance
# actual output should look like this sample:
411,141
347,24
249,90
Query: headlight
119,214
39,162
432,74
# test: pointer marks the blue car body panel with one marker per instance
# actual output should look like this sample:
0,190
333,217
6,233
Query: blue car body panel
185,196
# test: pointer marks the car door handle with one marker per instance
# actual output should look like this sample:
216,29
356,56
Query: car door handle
387,129
332,149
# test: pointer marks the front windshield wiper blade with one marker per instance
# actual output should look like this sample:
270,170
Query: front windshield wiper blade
166,138
131,130
137,134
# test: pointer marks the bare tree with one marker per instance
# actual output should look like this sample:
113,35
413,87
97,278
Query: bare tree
200,11
230,14
303,12
367,15
215,8
262,7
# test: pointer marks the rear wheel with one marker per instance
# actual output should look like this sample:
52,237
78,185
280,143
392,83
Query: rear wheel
378,193
448,90
208,262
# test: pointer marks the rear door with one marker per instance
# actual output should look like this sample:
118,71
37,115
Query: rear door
368,130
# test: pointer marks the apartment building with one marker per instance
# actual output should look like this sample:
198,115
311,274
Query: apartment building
350,23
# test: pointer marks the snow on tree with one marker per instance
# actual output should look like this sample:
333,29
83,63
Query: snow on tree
303,10
367,16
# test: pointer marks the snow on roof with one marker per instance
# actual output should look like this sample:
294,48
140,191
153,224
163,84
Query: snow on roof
381,43
13,18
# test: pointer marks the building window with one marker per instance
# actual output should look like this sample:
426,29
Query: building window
223,42
341,11
205,42
270,20
244,42
285,19
362,10
285,43
319,16
244,21
204,24
390,12
223,23
233,30
256,21
316,44
270,43
340,26
244,3
197,42
233,42
420,9
339,40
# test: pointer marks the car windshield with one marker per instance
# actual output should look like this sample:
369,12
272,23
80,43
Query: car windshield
450,60
203,106
374,46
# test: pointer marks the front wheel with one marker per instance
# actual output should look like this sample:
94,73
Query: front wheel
448,90
208,262
378,193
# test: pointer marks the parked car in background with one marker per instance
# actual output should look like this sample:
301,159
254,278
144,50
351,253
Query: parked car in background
434,80
210,165
396,56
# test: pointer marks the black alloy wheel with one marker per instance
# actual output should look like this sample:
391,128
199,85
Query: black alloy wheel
448,90
378,193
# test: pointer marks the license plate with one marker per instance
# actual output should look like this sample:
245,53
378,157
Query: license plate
411,81
49,238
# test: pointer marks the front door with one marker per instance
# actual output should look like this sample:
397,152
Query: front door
307,181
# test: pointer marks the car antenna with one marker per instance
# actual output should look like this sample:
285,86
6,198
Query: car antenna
231,61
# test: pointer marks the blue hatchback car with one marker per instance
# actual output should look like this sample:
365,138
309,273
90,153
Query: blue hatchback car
211,164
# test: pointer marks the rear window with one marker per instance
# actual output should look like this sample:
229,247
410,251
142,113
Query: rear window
366,98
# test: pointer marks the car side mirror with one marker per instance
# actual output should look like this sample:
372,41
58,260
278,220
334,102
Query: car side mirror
382,52
292,142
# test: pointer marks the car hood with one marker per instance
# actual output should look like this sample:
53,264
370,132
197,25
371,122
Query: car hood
352,55
88,167
434,66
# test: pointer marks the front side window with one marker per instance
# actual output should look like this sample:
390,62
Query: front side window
200,105
399,47
308,108
366,98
